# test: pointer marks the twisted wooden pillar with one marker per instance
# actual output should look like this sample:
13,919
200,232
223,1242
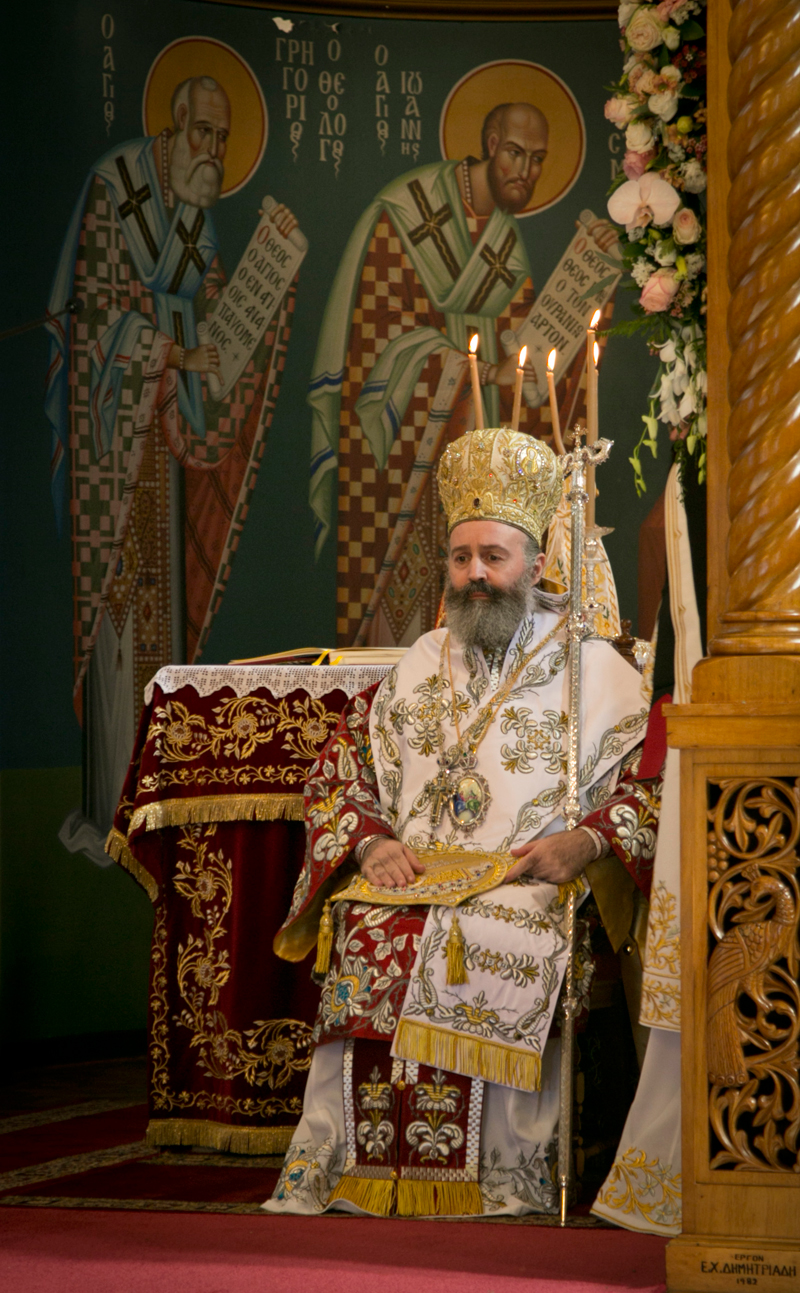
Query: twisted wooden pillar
763,600
740,737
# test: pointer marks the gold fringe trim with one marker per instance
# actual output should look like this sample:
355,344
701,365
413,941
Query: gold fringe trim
439,1199
472,1056
162,1132
217,808
117,847
372,1194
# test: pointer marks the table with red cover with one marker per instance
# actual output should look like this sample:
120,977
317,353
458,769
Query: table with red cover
210,823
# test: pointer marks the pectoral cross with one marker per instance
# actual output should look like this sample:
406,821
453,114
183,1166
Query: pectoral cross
438,792
190,251
133,206
431,227
498,271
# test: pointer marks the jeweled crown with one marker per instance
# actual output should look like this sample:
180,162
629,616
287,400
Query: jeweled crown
499,475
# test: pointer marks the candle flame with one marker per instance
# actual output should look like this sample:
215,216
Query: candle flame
473,345
523,355
551,360
596,354
595,318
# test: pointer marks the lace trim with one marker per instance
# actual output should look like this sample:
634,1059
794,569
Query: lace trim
278,679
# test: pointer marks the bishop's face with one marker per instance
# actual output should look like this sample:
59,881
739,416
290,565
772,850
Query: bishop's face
490,576
516,157
197,165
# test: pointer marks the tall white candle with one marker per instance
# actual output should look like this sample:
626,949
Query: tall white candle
523,354
551,387
476,386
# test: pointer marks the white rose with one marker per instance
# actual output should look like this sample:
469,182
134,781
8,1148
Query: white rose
671,37
694,177
639,137
664,255
664,104
626,9
645,29
686,227
670,74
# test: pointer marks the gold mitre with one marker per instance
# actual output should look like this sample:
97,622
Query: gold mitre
494,474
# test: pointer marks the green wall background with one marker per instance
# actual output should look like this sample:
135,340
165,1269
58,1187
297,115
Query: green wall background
74,937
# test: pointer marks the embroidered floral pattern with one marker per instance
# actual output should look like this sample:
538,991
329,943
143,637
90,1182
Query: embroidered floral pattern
647,1187
544,740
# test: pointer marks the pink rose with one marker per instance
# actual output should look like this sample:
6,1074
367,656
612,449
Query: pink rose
643,80
619,111
659,291
667,8
635,164
685,227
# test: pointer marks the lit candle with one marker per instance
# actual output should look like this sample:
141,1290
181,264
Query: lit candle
523,354
591,380
591,438
476,386
551,386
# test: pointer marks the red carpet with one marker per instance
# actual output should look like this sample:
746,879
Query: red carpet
55,1251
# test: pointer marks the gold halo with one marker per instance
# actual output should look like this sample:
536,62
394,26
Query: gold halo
202,56
516,81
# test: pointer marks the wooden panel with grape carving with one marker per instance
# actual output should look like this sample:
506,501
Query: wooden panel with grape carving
753,997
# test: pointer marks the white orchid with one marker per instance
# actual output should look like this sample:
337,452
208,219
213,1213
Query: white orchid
638,203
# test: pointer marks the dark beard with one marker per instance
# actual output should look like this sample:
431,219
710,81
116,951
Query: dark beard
492,624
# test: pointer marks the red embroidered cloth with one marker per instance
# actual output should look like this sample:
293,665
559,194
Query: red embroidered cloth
210,823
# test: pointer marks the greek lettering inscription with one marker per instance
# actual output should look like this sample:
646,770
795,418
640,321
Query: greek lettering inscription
289,50
107,31
251,298
332,122
411,121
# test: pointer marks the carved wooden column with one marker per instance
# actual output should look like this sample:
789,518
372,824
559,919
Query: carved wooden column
740,737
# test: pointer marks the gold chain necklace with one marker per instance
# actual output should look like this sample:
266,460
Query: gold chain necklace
457,786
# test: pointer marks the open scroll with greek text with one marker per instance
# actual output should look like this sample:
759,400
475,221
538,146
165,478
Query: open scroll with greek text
251,299
582,281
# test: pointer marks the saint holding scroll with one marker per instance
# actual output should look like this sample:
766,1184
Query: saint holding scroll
154,472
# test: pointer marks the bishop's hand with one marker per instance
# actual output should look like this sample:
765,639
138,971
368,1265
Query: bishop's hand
388,864
556,858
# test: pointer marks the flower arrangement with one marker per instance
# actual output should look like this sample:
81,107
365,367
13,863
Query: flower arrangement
659,197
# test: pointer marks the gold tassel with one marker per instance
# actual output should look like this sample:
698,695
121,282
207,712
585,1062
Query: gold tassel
324,940
371,1194
439,1199
456,970
575,886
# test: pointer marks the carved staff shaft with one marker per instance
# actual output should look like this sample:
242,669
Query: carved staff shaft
579,627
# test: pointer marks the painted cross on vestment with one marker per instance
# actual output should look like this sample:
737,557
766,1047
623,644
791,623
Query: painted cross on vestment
431,227
133,206
498,271
190,251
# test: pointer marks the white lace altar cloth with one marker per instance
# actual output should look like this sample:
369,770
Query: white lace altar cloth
279,679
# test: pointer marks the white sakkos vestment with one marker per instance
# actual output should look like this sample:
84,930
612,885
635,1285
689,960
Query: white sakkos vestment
493,1029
